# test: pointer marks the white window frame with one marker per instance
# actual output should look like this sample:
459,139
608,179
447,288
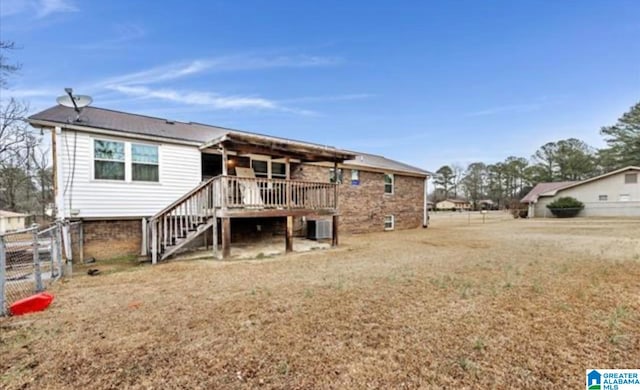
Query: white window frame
128,161
624,198
338,177
355,176
603,198
393,222
393,183
634,175
144,163
94,159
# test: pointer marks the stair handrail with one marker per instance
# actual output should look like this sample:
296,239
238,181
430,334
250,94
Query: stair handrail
183,198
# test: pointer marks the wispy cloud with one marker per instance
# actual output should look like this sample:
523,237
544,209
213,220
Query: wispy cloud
48,7
227,63
38,8
123,34
207,99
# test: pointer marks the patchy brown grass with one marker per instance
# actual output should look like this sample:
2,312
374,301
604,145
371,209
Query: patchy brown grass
506,304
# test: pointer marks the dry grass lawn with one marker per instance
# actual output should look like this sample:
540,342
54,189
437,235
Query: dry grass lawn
505,304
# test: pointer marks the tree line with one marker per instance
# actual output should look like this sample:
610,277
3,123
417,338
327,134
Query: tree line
26,183
508,181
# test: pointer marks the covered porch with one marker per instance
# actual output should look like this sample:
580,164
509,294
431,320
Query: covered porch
254,181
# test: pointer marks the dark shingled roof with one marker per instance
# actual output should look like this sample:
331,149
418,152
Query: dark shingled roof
106,119
541,188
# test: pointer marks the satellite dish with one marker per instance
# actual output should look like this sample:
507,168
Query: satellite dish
77,102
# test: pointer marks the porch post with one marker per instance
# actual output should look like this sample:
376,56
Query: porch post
224,162
289,235
214,241
226,237
334,231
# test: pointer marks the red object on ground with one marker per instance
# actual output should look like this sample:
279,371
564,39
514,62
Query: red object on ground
31,304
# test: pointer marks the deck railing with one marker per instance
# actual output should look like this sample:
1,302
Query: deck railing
231,193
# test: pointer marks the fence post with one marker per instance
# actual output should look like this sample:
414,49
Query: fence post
56,234
37,272
3,275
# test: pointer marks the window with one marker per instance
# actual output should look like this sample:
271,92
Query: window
144,163
333,178
260,168
389,222
603,198
278,170
388,183
624,198
108,160
631,178
355,177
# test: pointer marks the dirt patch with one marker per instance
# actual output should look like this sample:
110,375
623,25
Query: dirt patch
501,304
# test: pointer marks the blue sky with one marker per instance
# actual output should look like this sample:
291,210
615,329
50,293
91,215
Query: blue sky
424,82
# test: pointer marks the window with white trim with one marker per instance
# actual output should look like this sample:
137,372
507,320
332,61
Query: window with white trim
389,222
355,177
260,168
603,198
333,178
108,160
144,163
631,178
278,170
624,198
388,183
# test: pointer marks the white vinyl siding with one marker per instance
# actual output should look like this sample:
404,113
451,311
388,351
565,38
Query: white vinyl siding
179,171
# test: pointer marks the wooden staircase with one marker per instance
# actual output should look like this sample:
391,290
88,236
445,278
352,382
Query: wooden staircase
178,224
224,197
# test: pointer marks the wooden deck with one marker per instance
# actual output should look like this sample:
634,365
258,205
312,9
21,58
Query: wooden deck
226,197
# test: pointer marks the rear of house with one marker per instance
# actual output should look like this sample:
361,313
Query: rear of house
613,194
147,185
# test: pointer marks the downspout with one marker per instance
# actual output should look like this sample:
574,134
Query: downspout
425,216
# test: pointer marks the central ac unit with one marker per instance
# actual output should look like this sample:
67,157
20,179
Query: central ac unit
319,229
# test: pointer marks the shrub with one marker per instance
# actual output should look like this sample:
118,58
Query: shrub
565,207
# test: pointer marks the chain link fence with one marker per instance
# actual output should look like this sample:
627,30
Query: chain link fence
32,259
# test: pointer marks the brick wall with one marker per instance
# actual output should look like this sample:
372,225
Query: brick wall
110,238
363,207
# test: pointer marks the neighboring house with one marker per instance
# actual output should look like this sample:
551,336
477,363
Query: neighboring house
10,221
614,194
145,184
453,204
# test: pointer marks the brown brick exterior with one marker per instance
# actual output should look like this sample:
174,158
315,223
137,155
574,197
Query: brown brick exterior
363,207
112,238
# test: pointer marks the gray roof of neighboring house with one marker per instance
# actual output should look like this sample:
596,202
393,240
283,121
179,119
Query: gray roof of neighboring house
106,119
541,188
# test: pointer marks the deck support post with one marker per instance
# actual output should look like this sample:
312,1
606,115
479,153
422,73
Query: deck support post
289,235
214,238
334,231
226,237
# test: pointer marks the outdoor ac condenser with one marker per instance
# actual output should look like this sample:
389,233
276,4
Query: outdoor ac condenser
318,229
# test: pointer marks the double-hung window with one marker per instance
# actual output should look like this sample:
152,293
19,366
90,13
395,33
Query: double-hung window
335,177
388,183
109,160
144,163
125,161
260,168
389,222
278,170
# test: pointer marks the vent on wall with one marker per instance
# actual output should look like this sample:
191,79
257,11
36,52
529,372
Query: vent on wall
319,229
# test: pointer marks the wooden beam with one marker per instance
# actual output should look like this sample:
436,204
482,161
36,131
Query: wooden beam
334,231
226,237
214,240
289,235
